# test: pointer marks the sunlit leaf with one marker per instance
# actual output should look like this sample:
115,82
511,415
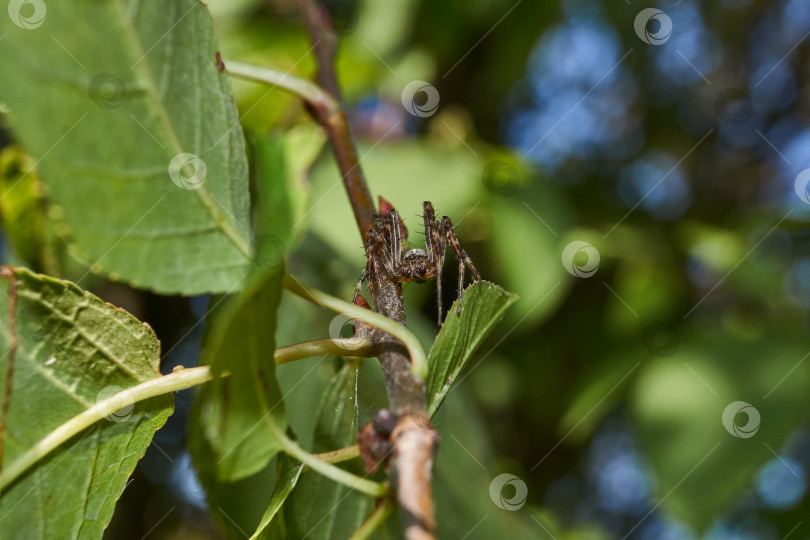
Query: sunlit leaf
482,307
136,136
73,350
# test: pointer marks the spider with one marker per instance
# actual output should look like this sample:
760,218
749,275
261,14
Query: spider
384,252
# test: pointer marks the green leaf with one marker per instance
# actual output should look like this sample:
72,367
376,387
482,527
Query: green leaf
289,470
242,416
319,507
73,349
460,335
105,95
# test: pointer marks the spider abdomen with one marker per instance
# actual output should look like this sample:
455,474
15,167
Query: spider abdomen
416,266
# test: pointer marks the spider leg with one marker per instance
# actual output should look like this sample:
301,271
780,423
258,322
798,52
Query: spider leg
363,277
431,241
460,284
439,291
434,247
396,241
463,259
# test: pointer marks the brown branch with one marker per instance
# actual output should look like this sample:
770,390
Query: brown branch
336,124
414,440
8,273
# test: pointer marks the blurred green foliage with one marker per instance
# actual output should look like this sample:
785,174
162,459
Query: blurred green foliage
683,316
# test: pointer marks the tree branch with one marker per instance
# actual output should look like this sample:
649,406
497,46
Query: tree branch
336,125
414,440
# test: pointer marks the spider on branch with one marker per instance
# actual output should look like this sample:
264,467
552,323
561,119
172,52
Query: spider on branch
384,252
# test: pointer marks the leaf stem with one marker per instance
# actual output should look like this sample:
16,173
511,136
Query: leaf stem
173,382
374,521
341,454
179,380
332,472
310,92
418,359
320,347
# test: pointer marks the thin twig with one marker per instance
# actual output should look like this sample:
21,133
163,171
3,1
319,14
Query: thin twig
316,97
373,522
400,334
339,347
336,125
332,472
340,455
179,380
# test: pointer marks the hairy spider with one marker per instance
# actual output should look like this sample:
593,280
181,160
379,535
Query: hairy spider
384,252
